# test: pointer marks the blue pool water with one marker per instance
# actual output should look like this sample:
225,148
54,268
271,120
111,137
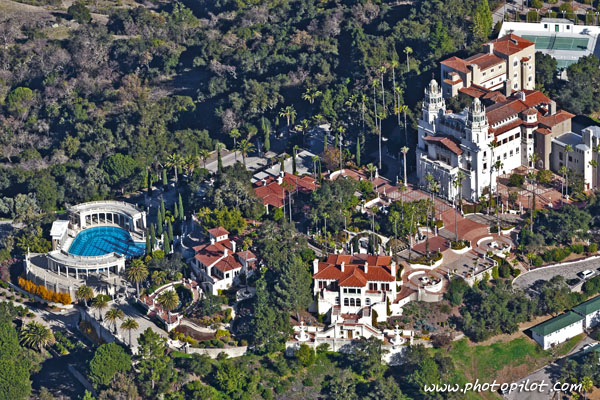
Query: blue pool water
106,239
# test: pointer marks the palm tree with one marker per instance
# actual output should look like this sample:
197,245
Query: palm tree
218,147
310,95
498,166
382,70
314,160
493,145
563,171
303,127
530,256
174,161
99,303
245,147
534,158
129,324
36,336
587,384
84,293
203,154
289,113
341,130
371,169
394,64
407,51
568,149
137,273
189,163
594,165
113,315
235,134
168,300
460,176
405,150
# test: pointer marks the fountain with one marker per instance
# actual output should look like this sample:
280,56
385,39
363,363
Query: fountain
397,340
302,336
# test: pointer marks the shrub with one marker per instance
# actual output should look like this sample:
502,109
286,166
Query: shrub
307,381
516,272
538,261
441,340
504,270
577,248
516,180
80,13
459,245
41,291
592,248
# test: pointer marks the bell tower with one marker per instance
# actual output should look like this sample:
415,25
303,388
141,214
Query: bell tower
477,123
433,102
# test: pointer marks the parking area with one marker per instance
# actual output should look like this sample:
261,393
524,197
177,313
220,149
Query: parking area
569,271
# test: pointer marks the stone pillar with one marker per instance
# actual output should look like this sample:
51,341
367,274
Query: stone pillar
76,273
82,220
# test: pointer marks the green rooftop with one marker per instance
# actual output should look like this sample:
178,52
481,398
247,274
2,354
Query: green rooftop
556,323
588,307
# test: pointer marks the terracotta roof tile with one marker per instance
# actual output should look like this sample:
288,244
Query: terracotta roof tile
484,61
553,120
510,44
447,141
218,231
456,63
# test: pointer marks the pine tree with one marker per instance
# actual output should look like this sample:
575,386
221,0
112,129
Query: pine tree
358,152
181,213
164,179
152,237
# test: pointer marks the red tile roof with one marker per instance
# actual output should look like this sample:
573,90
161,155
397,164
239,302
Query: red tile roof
274,194
553,120
457,64
228,263
379,269
510,44
484,61
506,127
534,98
473,91
218,231
208,254
447,141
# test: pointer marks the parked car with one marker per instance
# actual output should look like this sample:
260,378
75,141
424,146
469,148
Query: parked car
586,274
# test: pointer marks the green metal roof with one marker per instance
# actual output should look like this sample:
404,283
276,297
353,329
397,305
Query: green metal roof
556,323
588,307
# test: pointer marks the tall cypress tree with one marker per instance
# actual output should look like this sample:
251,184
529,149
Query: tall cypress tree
162,209
175,211
181,213
219,162
148,248
164,179
159,223
167,246
152,237
358,152
169,230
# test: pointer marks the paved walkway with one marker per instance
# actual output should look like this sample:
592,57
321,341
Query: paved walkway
570,271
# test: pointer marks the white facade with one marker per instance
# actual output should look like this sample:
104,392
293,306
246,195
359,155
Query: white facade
579,159
560,335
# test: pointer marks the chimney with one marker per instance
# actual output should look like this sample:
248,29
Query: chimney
552,107
212,239
507,87
225,252
490,48
232,246
342,266
315,265
393,269
366,267
521,95
279,180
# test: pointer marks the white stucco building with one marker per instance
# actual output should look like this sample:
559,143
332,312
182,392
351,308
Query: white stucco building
558,329
218,264
352,290
584,147
590,311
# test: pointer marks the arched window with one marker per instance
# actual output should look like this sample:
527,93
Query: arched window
346,301
368,301
352,303
357,302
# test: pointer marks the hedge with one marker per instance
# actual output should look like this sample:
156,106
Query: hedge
41,291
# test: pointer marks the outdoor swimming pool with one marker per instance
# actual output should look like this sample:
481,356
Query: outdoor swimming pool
106,239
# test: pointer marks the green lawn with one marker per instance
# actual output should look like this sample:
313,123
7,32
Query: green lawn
486,362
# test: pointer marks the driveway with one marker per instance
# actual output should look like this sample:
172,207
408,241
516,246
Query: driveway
569,271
